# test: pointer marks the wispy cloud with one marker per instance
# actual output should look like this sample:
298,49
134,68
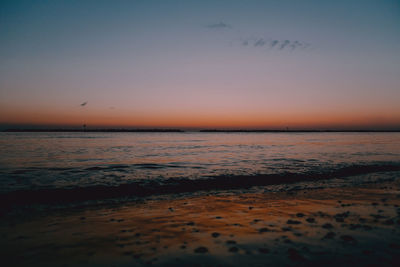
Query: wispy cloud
275,44
284,44
220,25
260,42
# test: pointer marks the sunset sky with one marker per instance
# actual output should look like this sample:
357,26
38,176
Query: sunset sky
200,64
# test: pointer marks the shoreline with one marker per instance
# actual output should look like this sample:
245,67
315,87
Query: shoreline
340,225
145,188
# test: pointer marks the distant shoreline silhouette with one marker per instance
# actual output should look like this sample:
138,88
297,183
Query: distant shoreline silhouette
93,130
156,130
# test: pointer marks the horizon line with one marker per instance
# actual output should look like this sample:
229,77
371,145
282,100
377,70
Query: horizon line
205,130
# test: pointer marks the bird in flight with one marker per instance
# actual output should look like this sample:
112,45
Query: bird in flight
84,104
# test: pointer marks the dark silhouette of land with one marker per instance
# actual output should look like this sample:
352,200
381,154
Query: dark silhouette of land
94,130
157,130
291,131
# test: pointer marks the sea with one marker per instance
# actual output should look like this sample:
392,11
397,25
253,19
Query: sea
48,167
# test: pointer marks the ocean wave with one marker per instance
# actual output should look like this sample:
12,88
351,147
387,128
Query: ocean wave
147,187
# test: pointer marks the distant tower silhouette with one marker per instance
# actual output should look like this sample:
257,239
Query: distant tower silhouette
84,127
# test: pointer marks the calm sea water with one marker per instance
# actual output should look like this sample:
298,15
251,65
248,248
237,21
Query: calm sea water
69,160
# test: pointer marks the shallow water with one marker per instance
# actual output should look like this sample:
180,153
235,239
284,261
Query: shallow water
68,160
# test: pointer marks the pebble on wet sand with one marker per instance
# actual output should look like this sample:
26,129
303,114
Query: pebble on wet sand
201,250
327,226
215,234
263,230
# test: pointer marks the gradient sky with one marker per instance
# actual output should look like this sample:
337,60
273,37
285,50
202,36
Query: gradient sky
218,64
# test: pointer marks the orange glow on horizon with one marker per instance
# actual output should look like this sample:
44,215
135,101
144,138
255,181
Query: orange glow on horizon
190,119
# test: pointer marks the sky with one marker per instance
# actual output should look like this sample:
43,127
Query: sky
200,64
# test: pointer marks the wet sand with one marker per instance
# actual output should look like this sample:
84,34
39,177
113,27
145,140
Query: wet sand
355,226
